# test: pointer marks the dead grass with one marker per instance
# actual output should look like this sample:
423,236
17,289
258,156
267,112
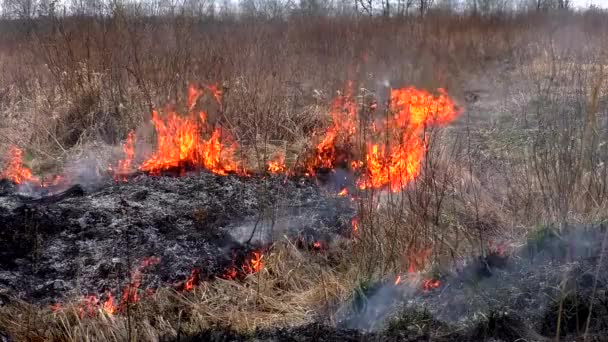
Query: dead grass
65,88
294,287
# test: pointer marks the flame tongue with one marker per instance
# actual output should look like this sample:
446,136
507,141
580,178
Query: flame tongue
180,141
396,161
15,171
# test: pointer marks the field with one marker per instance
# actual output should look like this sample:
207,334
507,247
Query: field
183,176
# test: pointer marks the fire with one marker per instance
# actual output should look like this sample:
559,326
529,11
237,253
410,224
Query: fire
398,280
15,171
192,280
329,153
417,259
396,161
230,273
108,306
124,166
252,264
180,141
216,92
430,284
355,223
89,306
130,293
343,192
277,165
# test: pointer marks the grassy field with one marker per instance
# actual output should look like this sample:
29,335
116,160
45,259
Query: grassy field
527,150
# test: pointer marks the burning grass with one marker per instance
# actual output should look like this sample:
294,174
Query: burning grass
289,290
426,197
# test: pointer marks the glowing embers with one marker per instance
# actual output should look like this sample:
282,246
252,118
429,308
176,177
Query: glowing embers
250,263
277,164
92,305
417,260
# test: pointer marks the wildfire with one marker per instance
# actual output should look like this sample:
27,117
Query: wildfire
277,165
391,158
355,223
192,280
398,280
130,293
180,141
430,284
124,166
253,264
331,151
108,306
15,171
396,161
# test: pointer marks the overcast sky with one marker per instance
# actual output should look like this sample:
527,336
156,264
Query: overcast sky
585,3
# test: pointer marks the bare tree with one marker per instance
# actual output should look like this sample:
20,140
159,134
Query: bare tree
367,6
424,6
22,9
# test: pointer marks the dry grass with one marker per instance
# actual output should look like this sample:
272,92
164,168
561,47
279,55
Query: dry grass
64,88
293,288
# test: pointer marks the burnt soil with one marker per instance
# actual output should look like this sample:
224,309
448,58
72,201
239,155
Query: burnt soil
65,243
515,296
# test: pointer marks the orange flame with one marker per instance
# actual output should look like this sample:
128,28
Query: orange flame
124,166
398,280
430,284
15,171
355,223
418,259
343,112
180,142
255,264
277,165
216,92
108,306
89,306
192,281
396,162
343,192
130,293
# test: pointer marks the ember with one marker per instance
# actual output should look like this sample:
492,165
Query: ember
192,281
430,284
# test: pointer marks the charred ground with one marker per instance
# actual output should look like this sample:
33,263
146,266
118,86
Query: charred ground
88,241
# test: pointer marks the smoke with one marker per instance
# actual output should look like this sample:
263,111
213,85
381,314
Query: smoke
523,284
371,307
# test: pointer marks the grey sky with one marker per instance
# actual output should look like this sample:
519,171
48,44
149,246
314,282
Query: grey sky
585,3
